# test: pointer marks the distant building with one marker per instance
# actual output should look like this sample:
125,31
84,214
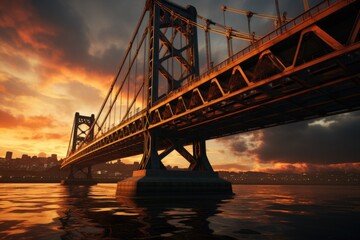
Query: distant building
53,157
25,157
8,155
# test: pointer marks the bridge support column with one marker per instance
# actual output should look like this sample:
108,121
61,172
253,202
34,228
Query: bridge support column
153,180
151,158
201,160
89,174
75,179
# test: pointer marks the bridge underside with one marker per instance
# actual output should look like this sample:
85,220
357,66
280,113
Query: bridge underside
310,71
324,89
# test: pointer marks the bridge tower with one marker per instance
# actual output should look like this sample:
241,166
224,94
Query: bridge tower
82,132
160,22
152,178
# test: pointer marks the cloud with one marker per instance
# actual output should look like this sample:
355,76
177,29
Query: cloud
7,120
53,39
13,86
314,141
325,143
35,122
244,143
81,93
46,136
309,168
14,60
235,167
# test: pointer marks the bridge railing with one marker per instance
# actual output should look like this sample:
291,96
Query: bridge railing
285,27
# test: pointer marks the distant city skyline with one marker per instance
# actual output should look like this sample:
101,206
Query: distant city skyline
9,155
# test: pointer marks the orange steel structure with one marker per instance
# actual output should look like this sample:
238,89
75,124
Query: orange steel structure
306,69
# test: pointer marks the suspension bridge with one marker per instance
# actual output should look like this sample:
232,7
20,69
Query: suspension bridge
161,100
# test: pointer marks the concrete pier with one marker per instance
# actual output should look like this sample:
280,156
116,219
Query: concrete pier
154,183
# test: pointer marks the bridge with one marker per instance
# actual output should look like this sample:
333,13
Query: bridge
159,101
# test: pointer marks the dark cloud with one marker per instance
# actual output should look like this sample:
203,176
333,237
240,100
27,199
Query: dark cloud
72,37
54,31
322,142
65,30
237,144
300,142
243,143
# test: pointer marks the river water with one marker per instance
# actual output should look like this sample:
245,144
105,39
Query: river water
52,211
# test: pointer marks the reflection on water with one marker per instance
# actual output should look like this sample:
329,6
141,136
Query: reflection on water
52,211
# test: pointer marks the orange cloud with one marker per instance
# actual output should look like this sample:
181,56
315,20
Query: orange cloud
284,168
23,19
38,122
233,167
27,34
7,120
46,136
308,168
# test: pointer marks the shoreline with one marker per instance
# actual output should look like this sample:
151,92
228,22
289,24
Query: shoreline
113,181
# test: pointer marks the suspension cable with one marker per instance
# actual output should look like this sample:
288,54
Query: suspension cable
118,73
128,71
233,33
136,66
144,74
128,85
132,103
71,139
110,110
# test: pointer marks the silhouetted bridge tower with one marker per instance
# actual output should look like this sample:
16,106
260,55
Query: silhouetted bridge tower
159,102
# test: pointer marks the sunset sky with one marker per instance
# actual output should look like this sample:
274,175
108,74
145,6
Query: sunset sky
59,57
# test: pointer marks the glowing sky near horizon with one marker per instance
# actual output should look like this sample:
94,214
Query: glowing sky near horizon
59,57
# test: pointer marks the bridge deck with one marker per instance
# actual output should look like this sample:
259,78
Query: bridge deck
308,71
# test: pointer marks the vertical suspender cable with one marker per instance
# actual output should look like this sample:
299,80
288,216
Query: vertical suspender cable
224,16
181,45
118,73
110,111
172,50
306,5
127,72
115,112
207,45
144,74
278,14
128,80
120,104
136,66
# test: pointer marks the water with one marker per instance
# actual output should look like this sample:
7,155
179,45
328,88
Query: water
52,211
